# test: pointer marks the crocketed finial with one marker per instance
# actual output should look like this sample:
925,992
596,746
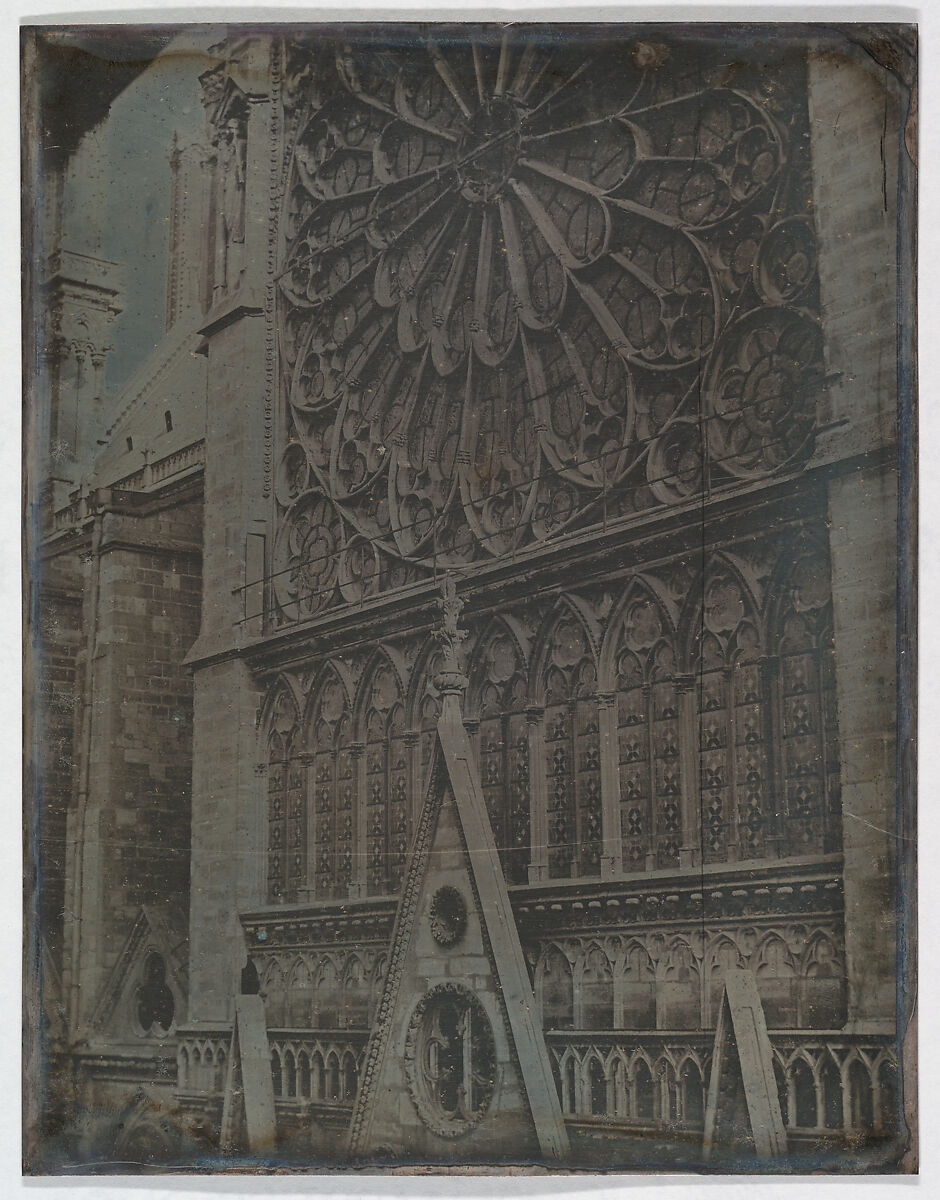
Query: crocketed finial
450,678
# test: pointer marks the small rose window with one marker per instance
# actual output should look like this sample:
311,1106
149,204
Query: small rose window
448,915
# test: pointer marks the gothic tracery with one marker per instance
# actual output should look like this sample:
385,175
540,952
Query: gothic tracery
527,287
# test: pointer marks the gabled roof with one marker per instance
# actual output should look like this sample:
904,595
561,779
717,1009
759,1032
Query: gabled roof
171,379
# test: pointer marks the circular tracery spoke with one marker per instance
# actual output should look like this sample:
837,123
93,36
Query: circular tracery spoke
509,261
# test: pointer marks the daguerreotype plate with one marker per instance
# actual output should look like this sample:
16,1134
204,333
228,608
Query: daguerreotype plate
465,725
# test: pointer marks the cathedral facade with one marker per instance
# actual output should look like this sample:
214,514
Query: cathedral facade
598,331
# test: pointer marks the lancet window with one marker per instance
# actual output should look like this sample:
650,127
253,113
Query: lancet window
503,746
724,742
287,805
808,711
334,791
386,772
736,805
648,720
572,753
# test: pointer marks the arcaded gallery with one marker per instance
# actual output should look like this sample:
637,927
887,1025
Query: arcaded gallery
465,621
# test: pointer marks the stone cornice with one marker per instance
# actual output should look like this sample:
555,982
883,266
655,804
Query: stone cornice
326,923
594,556
798,889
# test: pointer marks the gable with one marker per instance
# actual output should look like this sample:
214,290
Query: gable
457,1067
146,994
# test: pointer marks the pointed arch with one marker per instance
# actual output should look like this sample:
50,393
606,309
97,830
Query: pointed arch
639,665
333,1080
859,1091
355,993
350,1078
382,658
638,631
564,679
777,982
303,1075
801,634
329,738
723,955
638,988
666,1090
644,1096
328,995
725,650
424,710
569,1078
322,702
317,1076
680,997
805,547
822,1000
503,645
300,994
596,990
290,1075
620,1087
380,721
498,696
282,706
564,635
830,1079
554,985
804,1104
422,687
596,1084
286,836
274,991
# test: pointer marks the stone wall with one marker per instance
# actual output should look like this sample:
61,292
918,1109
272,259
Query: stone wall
132,812
60,656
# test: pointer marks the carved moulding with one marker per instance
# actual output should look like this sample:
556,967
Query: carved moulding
450,1060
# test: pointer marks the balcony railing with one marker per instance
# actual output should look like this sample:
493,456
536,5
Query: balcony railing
829,1083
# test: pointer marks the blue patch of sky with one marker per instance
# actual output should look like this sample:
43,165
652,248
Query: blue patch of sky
117,200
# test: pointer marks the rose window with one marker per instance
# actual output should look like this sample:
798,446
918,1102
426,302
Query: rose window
448,916
450,1060
529,284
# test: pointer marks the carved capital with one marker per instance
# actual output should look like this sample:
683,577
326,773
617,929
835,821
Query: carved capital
606,699
535,713
451,683
684,684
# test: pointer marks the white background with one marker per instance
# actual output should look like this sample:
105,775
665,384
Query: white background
663,1187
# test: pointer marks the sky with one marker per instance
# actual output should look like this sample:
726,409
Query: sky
117,200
